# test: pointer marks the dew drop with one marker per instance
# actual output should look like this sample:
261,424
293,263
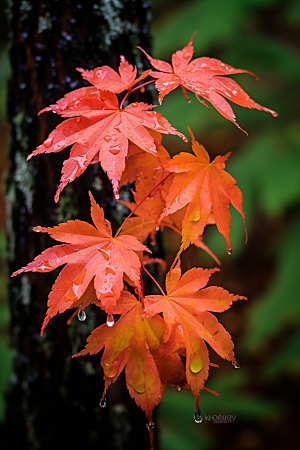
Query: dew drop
78,119
187,55
156,228
107,138
117,197
229,251
48,142
189,101
114,151
185,139
236,366
178,388
198,416
141,121
150,113
196,364
102,402
134,104
110,320
81,315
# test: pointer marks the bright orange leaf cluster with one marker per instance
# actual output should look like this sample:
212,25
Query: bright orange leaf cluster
161,339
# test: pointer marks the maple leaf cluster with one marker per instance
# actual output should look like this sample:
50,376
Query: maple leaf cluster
161,339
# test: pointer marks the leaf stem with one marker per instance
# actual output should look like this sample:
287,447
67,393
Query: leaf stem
139,204
154,280
132,90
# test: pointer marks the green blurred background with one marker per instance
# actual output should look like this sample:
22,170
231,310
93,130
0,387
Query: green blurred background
262,36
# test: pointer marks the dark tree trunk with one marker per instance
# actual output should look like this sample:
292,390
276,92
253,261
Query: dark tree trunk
54,400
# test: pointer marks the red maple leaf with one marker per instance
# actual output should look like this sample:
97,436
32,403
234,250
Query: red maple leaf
88,253
107,79
101,131
206,187
205,77
185,307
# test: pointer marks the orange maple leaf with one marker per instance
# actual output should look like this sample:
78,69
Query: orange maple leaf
88,253
206,188
134,343
101,131
185,307
205,77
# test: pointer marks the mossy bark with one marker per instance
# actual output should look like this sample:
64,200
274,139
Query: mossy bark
54,400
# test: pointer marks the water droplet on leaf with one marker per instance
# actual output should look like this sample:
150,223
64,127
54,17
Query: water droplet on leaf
156,228
229,251
141,121
107,138
236,366
78,119
185,139
198,416
187,55
150,113
117,197
134,104
110,320
196,364
48,142
114,151
81,315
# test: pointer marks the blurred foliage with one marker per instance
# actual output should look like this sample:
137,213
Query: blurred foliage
262,36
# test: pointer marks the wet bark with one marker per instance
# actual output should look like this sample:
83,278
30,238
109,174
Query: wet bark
54,400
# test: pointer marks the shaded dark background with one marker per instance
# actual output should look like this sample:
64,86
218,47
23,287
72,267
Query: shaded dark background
262,36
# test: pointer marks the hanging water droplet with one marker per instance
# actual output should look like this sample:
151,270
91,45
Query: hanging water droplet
110,320
178,388
117,197
229,251
107,138
198,416
78,119
81,315
185,139
102,402
48,142
236,366
156,228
